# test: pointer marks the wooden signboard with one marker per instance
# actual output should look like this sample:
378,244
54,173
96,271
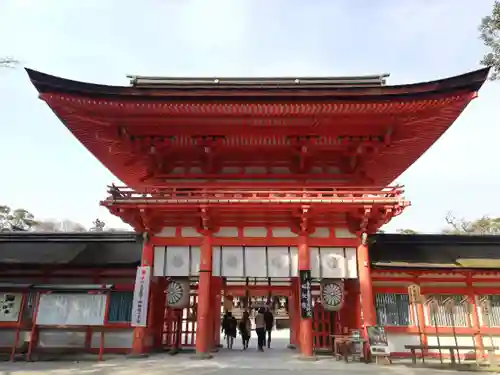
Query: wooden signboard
379,346
305,295
414,293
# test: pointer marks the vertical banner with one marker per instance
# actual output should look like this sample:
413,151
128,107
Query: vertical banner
141,297
305,294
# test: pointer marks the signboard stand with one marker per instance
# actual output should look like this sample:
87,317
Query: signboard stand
415,297
379,347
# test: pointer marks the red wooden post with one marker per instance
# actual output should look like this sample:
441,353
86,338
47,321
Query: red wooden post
217,293
141,341
366,288
203,322
365,285
293,313
306,332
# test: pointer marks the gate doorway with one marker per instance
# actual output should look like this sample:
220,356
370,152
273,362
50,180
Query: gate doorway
251,293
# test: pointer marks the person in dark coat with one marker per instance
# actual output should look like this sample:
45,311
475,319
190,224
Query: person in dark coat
260,329
245,328
229,327
269,319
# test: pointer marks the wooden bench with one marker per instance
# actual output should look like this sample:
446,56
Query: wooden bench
451,349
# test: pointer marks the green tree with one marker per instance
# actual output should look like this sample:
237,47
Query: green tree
485,225
18,219
489,30
407,231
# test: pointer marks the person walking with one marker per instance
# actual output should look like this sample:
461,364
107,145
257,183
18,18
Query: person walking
260,329
269,320
245,328
229,326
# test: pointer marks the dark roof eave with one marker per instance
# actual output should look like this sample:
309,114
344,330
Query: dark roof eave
468,82
435,239
70,237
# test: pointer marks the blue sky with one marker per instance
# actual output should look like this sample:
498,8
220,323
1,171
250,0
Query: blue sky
47,171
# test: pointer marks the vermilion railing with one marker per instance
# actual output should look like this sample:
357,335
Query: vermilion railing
172,195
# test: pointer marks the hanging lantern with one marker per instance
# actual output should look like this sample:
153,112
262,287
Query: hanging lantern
332,294
178,293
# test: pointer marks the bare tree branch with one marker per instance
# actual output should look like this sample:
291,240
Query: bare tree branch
8,62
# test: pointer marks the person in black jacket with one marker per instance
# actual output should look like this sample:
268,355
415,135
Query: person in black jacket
229,326
245,328
269,319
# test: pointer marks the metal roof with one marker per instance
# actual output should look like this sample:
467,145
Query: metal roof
224,82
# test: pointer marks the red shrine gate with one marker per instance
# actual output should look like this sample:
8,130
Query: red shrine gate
215,166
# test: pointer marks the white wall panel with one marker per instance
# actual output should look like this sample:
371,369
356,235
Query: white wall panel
159,261
352,264
255,261
232,261
216,261
333,263
315,262
177,261
195,261
278,262
294,261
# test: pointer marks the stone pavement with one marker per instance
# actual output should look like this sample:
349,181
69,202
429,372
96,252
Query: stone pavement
275,361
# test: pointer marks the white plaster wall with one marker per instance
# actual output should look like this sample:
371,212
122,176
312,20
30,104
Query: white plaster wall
283,232
320,233
52,338
447,340
167,232
189,232
121,339
228,232
492,341
255,232
7,338
343,233
397,341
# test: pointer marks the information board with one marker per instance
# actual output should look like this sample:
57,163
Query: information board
71,309
10,306
378,340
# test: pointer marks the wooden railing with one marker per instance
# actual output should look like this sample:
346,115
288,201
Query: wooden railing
172,195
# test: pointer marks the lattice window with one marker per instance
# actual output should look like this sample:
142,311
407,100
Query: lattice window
494,306
120,307
392,309
449,311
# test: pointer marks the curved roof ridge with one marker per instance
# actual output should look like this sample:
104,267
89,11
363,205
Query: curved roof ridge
46,83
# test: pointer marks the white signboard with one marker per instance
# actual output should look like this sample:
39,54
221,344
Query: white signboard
10,306
71,309
141,297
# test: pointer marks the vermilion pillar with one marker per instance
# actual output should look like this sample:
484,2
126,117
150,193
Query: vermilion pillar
306,333
204,323
216,316
365,284
142,340
293,314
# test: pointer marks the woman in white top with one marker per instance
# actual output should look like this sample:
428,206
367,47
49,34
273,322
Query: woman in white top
260,329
